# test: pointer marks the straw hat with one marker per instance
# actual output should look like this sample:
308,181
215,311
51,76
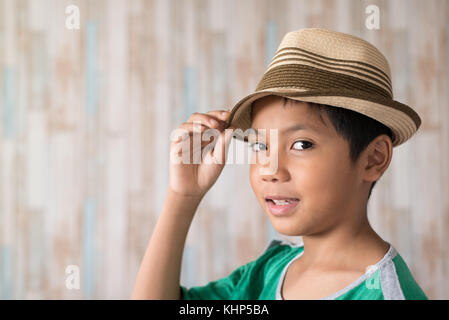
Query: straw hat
333,68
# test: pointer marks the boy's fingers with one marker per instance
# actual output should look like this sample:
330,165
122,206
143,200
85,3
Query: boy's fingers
192,127
186,129
215,118
220,114
205,119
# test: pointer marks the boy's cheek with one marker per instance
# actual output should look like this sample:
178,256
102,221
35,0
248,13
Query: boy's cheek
254,179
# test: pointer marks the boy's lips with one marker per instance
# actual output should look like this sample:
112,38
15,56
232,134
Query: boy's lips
280,197
281,208
281,205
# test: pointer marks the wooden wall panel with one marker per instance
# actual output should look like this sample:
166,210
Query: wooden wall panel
86,117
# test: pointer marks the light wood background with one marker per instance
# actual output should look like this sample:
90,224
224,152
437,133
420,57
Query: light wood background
86,116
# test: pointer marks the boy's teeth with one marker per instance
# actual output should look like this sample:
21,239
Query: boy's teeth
281,202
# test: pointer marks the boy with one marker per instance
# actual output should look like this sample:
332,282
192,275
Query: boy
328,98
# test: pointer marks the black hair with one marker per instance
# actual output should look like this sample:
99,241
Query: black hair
356,128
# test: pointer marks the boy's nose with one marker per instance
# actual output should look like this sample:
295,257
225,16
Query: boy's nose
271,179
274,174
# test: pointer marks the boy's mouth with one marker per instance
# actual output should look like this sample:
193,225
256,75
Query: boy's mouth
281,205
281,200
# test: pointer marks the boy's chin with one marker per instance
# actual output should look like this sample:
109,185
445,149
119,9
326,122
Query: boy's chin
288,228
289,233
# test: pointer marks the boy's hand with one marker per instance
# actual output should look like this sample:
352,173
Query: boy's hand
193,172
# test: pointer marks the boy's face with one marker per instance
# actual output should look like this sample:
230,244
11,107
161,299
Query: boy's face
313,166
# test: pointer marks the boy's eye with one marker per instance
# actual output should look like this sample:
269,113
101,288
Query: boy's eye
307,143
257,144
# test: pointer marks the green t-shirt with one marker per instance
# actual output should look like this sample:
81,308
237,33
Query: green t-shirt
262,279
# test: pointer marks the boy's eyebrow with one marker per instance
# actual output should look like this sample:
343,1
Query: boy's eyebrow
295,127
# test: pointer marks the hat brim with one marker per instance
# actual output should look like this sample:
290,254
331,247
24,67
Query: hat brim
400,118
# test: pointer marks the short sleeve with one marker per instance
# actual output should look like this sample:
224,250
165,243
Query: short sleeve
221,289
241,283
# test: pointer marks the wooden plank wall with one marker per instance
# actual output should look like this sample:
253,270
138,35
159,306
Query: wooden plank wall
86,116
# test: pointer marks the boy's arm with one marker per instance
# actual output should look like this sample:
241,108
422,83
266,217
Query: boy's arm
159,273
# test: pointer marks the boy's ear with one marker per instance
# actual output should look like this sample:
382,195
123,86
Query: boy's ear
378,156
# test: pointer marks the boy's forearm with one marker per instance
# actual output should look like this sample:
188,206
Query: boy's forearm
159,273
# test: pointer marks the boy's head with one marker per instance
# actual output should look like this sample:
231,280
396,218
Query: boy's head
331,165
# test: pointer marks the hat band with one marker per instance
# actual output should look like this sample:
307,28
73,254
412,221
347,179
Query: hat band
352,70
356,67
304,76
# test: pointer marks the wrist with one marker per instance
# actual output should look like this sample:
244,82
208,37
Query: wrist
182,204
182,196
